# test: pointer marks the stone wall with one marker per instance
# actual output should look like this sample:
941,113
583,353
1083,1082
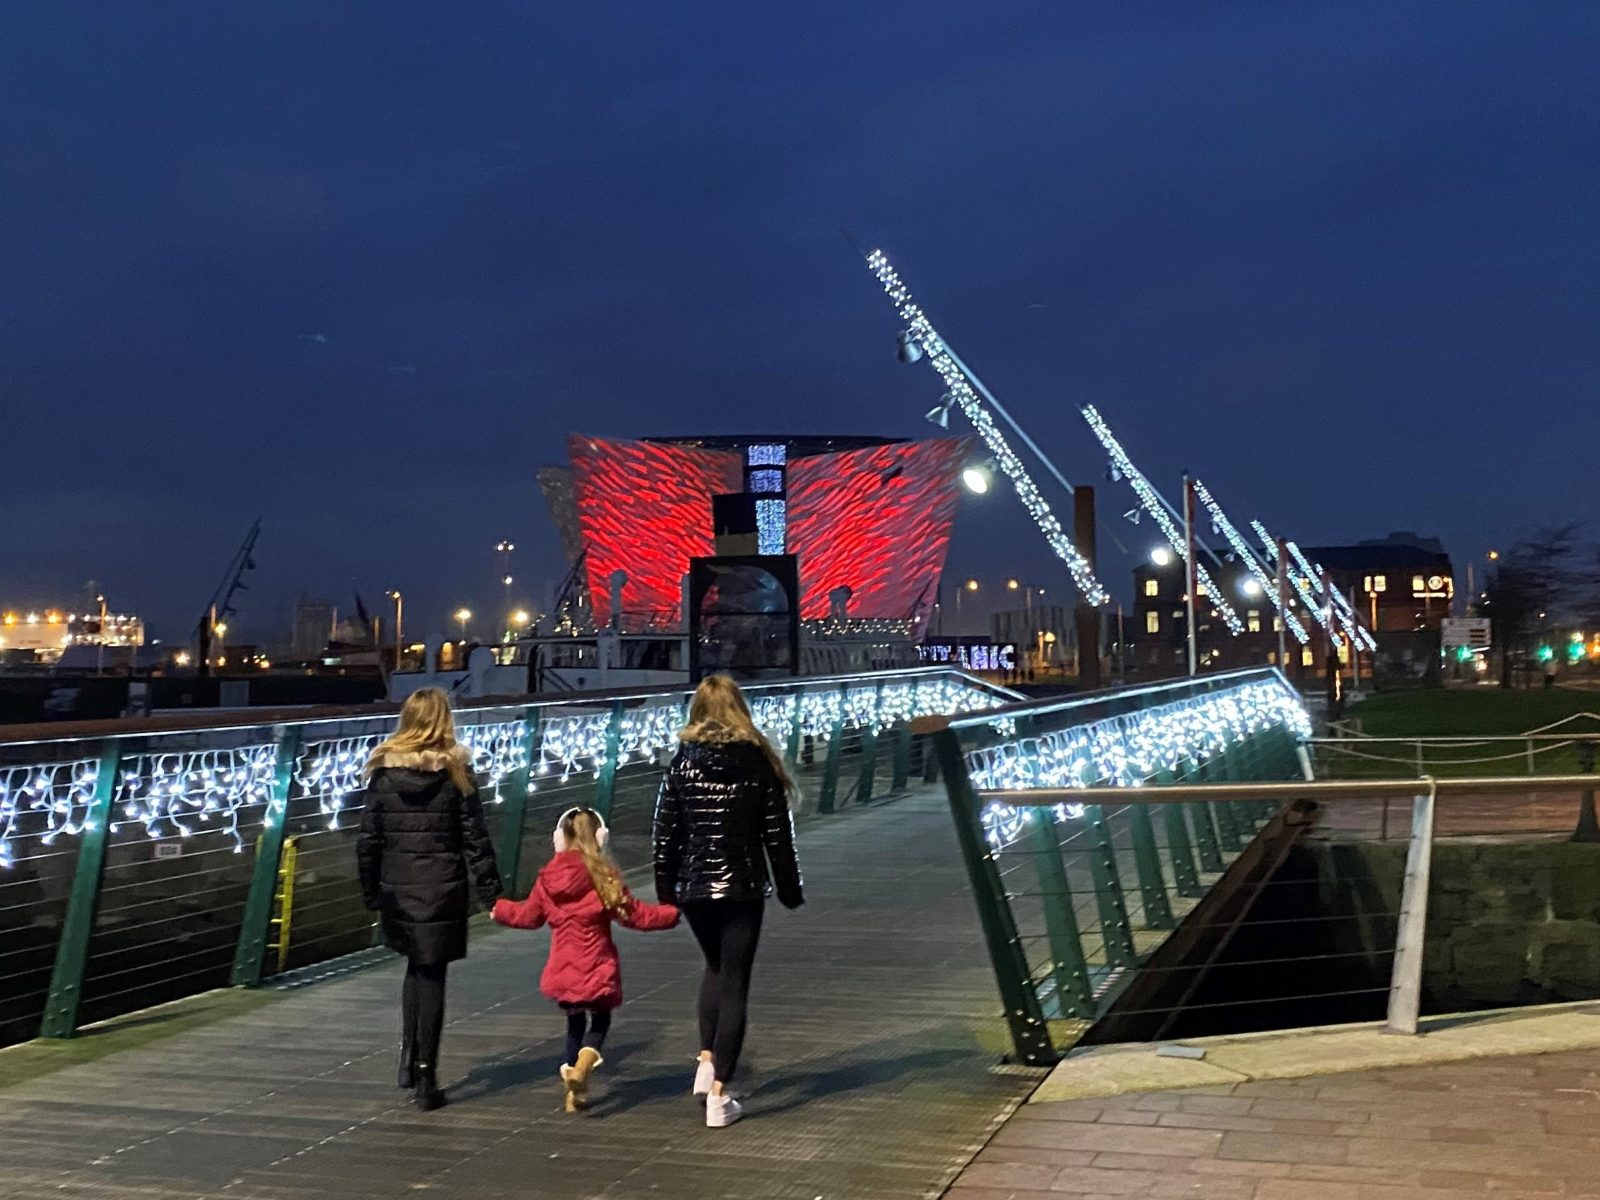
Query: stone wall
1508,922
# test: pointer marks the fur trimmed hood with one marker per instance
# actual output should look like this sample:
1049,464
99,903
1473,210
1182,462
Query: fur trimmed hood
708,734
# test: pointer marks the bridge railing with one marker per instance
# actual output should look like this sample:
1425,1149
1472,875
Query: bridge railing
1073,897
145,860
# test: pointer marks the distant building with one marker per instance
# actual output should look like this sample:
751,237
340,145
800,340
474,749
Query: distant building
314,622
1043,634
1401,584
43,636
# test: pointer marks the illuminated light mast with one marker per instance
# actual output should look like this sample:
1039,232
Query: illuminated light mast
1160,512
963,390
1268,581
1307,583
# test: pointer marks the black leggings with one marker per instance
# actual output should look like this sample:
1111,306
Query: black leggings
422,1010
585,1027
728,932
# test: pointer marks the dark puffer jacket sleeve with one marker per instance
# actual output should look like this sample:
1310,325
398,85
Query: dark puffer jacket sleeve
369,853
478,851
668,836
778,835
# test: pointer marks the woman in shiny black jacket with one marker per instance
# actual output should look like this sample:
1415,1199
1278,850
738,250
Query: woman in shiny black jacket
422,836
724,842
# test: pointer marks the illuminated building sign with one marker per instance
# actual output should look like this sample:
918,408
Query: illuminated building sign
972,654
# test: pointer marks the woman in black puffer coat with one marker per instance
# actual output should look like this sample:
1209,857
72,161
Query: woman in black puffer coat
724,842
422,837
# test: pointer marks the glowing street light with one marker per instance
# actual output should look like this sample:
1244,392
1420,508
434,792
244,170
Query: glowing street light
463,615
1251,587
972,585
1161,556
520,618
976,480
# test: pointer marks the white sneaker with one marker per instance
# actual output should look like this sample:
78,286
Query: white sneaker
704,1076
721,1111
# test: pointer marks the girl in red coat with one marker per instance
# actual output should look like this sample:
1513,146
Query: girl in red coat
580,893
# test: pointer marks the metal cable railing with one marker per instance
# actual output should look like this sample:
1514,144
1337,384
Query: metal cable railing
145,860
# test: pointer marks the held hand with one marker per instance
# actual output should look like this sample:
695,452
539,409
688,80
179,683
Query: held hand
499,913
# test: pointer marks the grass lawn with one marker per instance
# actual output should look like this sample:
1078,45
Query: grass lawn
1478,712
1473,712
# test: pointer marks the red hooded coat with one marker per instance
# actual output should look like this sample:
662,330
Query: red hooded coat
583,967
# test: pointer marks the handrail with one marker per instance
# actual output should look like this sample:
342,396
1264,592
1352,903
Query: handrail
1041,707
1179,793
71,731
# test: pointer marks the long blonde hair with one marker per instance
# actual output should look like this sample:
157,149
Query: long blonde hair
719,713
580,829
427,734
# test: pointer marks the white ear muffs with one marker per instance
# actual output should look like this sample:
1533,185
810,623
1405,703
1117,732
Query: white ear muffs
602,835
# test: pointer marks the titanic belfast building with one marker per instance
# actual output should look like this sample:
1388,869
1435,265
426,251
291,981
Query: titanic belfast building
863,522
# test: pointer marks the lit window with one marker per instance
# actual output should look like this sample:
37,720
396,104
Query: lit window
1380,583
766,479
1272,658
1366,583
1152,622
1200,589
1252,620
767,455
1307,658
1344,654
1418,584
1277,624
1152,588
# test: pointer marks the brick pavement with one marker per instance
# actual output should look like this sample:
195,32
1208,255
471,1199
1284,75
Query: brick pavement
1503,1127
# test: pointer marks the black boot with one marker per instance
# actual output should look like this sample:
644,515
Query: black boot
406,1076
428,1096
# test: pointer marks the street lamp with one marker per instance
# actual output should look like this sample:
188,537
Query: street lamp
1161,556
976,478
1251,587
463,615
520,618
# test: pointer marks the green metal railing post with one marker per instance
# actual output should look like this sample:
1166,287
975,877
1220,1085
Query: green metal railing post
72,951
828,793
1068,965
1114,927
514,805
867,777
256,925
1030,1035
605,786
901,775
1185,877
796,733
1205,833
1228,834
1147,862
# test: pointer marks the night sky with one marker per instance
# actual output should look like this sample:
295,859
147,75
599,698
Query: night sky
359,268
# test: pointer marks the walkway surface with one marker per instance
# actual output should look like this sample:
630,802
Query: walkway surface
1493,1127
872,1066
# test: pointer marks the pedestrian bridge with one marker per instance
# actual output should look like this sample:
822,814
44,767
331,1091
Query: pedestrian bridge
150,865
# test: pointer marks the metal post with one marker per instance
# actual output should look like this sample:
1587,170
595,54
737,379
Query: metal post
1069,967
1086,618
72,951
1405,984
902,758
1204,831
1283,607
1532,768
514,806
256,924
792,751
1114,927
1030,1035
1147,862
868,774
605,786
828,793
1191,571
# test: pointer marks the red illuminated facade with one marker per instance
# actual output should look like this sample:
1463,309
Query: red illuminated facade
876,521
870,515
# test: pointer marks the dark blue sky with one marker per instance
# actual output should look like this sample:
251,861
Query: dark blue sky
1339,259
